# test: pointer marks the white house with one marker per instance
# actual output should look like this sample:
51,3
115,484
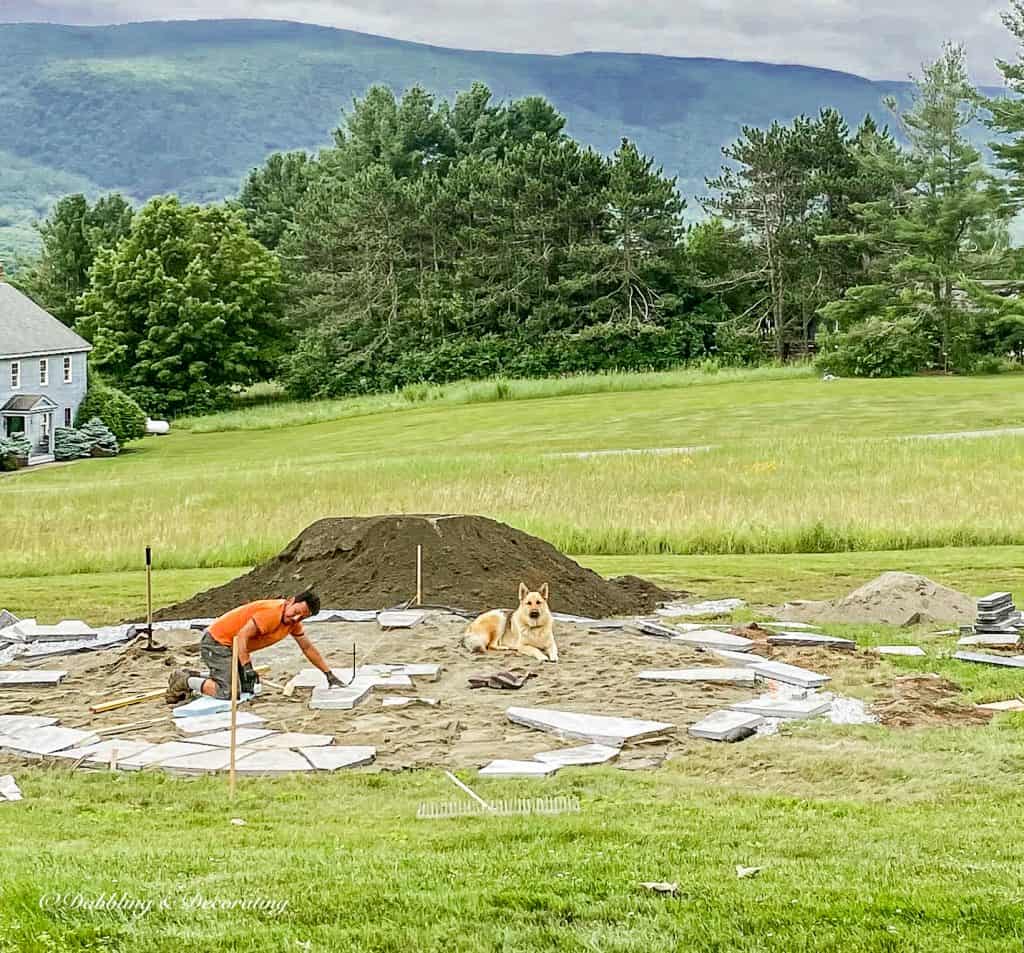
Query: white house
42,372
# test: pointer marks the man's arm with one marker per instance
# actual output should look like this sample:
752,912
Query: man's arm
248,631
311,652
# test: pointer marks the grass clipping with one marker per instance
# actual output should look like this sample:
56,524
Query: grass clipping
469,562
894,598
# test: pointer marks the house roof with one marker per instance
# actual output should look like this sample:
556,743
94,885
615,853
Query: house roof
26,403
27,330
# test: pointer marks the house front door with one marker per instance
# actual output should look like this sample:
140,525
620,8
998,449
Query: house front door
14,426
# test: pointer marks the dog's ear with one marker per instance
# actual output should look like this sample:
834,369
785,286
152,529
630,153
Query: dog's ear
544,592
522,591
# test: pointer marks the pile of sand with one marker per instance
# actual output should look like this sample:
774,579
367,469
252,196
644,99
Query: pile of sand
469,562
894,598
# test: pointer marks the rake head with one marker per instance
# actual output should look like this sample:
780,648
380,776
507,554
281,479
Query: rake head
432,811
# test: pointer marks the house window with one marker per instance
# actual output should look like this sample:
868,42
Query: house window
67,416
44,372
15,375
67,370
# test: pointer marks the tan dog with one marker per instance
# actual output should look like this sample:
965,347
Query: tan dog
529,630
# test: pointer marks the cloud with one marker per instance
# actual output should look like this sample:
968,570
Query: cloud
875,38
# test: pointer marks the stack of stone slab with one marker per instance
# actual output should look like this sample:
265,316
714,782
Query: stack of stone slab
998,622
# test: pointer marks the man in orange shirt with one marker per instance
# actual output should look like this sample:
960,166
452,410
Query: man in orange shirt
254,626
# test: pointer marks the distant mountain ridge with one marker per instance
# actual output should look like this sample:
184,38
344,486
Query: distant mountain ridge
191,106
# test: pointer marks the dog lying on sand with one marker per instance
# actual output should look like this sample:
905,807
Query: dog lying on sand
529,630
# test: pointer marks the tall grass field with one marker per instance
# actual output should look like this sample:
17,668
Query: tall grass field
728,465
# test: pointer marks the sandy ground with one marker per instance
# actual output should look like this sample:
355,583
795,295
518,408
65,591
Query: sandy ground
597,674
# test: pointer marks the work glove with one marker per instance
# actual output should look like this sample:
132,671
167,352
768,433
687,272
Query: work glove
248,679
333,681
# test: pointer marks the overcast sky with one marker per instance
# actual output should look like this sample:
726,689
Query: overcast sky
881,39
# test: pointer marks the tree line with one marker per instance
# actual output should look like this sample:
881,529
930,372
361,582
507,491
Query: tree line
436,241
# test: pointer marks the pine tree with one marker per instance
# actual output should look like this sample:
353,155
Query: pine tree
1007,113
70,444
943,221
272,194
644,229
100,438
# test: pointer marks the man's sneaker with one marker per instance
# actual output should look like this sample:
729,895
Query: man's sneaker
177,685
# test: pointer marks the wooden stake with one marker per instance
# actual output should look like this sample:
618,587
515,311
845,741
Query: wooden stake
149,596
419,575
234,713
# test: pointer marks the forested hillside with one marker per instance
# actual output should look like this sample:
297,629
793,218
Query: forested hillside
190,107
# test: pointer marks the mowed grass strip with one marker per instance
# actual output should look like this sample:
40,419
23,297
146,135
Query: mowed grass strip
870,841
765,579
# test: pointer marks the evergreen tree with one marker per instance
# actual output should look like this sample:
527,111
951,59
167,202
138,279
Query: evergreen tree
941,222
1007,113
73,234
644,228
409,135
100,437
768,192
70,444
272,194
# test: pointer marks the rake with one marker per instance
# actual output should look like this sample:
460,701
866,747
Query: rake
478,807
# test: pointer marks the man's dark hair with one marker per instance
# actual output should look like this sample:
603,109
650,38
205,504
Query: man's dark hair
311,599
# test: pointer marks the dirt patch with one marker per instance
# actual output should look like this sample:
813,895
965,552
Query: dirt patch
597,674
469,562
894,598
927,700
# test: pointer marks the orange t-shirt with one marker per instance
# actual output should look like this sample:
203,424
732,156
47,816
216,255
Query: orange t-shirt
267,614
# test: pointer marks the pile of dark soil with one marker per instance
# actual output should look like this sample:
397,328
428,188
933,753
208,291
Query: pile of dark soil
469,562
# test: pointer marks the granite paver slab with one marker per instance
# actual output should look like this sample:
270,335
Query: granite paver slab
599,729
332,758
726,726
504,768
736,676
580,755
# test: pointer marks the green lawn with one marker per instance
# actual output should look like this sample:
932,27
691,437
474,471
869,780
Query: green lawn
105,597
870,840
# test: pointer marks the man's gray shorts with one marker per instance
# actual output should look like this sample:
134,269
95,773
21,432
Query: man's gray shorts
217,658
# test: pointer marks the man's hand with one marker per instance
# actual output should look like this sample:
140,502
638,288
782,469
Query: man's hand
248,679
333,681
